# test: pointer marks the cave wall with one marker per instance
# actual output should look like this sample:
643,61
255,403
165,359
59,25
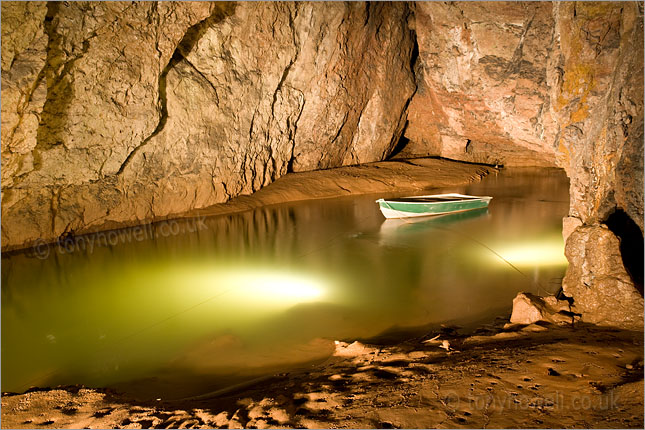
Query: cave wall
597,96
482,83
598,100
540,83
123,112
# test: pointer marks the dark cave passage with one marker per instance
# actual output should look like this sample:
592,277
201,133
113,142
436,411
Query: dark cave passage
631,245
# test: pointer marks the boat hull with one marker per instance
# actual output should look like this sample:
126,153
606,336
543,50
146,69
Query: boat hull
394,209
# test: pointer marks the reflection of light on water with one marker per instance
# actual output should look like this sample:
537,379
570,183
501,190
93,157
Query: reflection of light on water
238,287
273,285
536,253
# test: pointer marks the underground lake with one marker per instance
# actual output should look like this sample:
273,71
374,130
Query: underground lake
186,307
191,234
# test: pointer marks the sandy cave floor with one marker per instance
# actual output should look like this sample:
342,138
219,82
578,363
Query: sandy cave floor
514,376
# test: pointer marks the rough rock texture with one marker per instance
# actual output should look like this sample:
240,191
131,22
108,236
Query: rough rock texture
602,289
569,224
75,101
132,111
598,102
538,83
597,96
482,74
529,309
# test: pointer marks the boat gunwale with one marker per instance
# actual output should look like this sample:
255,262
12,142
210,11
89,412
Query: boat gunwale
446,199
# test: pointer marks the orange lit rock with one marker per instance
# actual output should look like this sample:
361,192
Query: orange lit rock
123,112
602,290
529,308
597,99
482,93
598,103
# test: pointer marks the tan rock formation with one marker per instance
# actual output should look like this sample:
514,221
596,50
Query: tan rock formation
74,102
131,111
598,103
482,73
602,290
529,309
597,96
517,83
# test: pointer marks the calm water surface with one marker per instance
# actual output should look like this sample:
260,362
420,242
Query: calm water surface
211,302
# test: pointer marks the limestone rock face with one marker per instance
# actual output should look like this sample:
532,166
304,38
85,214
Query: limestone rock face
75,101
598,102
354,71
24,90
482,83
602,290
117,112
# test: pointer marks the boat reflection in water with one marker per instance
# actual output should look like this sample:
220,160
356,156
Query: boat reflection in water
397,231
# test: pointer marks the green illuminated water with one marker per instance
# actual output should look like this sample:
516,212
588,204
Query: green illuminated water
187,307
